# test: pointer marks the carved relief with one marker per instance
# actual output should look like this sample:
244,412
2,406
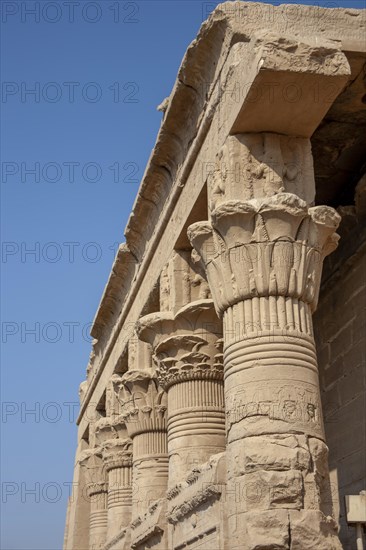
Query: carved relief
182,281
252,166
112,405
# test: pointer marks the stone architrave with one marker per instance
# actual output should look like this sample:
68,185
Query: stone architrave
188,352
263,258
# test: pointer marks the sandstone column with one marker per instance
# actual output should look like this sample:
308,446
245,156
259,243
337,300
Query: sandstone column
188,351
117,456
263,251
97,493
116,448
144,412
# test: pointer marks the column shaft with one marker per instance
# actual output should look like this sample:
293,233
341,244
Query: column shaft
150,470
98,516
196,425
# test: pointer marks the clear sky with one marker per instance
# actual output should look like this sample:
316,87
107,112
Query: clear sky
72,155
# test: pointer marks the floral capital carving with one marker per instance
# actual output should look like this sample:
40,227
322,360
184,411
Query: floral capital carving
187,345
143,402
273,246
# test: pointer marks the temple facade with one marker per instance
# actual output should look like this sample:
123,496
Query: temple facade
224,401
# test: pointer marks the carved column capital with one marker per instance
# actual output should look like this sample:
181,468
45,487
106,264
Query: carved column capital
108,427
143,403
117,453
95,474
187,345
274,246
117,459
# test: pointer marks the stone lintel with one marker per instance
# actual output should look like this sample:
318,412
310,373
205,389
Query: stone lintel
294,85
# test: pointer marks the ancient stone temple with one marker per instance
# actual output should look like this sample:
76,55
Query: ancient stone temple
224,404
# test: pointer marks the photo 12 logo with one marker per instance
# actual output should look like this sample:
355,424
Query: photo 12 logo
70,12
70,171
69,92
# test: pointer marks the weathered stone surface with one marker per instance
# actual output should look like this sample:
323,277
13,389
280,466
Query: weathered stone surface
273,489
280,452
263,530
311,529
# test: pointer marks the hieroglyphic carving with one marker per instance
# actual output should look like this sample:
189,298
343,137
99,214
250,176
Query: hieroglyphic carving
112,404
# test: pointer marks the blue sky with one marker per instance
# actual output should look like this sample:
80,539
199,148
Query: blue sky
72,154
